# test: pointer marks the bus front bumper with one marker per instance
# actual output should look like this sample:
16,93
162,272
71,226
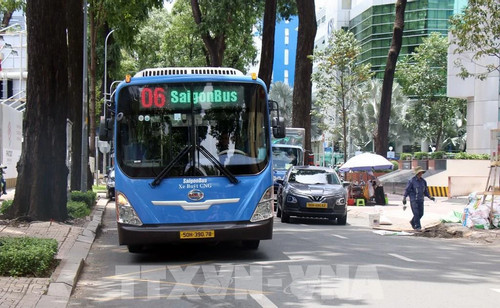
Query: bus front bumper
163,234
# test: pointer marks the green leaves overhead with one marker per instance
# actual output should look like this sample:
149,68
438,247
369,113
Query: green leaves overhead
338,80
477,30
423,77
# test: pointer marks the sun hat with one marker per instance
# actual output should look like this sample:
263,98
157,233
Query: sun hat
418,170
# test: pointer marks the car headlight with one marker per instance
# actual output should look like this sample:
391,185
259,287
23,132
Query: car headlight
340,201
264,209
291,199
125,213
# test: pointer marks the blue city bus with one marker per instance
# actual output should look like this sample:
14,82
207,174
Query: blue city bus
192,150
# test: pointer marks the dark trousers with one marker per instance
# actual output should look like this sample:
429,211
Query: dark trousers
417,207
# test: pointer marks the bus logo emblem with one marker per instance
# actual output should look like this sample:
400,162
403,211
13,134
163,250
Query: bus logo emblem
196,195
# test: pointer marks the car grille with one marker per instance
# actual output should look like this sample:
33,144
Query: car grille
316,198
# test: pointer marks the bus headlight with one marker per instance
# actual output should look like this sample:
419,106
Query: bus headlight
125,213
264,209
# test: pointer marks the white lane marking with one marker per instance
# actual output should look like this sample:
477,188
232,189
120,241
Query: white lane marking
263,301
496,290
401,257
340,236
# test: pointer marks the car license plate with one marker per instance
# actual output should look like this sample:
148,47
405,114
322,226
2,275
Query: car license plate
317,205
197,234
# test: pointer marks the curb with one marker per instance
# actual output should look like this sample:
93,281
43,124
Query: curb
61,288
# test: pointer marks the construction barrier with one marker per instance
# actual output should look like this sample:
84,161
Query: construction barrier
438,191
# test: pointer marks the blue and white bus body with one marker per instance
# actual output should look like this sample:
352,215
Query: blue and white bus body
192,158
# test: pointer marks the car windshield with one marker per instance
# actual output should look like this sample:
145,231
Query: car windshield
284,158
313,177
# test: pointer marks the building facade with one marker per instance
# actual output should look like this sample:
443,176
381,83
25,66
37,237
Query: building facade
285,43
13,78
372,23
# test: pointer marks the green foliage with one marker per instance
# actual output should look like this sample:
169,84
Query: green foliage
423,75
27,256
9,6
406,156
477,30
88,197
338,80
365,113
463,155
5,205
283,94
395,165
438,155
98,188
420,155
443,155
77,209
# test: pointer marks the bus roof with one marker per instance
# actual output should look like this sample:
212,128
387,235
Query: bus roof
189,71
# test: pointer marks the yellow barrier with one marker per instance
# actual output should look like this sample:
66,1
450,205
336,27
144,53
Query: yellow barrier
438,191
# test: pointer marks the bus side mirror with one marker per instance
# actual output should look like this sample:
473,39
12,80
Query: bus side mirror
106,130
278,124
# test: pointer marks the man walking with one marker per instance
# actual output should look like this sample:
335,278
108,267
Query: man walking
416,190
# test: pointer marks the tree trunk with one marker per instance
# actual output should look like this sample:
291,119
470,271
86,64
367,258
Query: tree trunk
267,52
75,87
381,137
303,69
6,19
42,173
215,46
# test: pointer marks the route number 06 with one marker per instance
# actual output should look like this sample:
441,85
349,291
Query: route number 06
154,96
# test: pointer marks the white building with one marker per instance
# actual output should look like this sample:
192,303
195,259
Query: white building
482,96
13,77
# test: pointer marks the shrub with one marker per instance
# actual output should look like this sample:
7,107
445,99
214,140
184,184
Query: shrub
77,209
406,156
438,155
88,197
27,256
463,155
420,155
395,165
5,205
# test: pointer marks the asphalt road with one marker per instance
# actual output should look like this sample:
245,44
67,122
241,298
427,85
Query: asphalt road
309,263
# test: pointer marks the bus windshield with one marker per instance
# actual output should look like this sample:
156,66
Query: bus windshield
191,129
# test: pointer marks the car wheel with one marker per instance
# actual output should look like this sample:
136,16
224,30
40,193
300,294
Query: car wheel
285,217
278,212
134,248
251,244
342,220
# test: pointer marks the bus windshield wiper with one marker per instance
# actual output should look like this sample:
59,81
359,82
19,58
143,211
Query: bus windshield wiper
165,171
217,163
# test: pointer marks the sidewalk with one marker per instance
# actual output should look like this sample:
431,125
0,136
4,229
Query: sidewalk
74,245
398,220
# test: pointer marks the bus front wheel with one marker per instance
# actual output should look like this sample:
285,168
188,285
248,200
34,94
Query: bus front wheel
134,248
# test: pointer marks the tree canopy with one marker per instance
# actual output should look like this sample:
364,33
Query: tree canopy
476,30
338,79
423,77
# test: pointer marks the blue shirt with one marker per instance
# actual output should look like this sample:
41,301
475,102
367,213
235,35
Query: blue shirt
417,189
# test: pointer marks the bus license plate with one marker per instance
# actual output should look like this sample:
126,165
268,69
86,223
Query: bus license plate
317,205
197,234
